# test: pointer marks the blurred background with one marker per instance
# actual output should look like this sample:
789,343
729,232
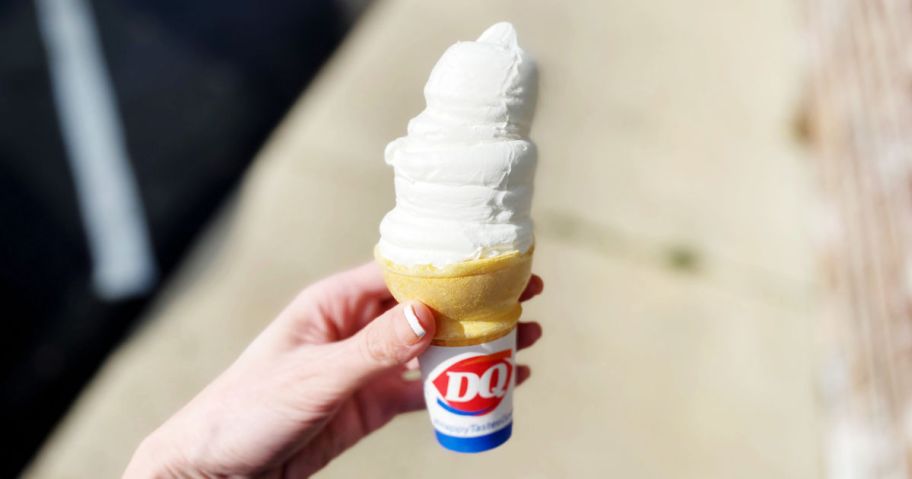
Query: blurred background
721,218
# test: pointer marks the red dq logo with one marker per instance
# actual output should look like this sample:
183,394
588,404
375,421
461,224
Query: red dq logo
475,385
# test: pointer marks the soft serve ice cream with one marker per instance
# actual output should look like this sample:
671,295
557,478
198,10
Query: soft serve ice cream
465,170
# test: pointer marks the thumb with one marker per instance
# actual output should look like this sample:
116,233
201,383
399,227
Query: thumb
392,339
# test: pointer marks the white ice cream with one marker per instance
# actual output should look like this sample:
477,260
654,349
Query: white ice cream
464,172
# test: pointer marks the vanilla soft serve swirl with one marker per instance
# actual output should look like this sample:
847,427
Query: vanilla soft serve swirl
465,170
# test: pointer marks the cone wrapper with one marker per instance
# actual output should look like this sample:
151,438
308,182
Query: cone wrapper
469,393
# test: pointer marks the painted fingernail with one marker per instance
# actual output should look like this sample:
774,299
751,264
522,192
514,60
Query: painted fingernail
413,322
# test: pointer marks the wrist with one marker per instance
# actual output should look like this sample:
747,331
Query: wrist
155,458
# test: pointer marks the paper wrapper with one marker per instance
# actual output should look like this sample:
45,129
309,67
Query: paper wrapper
474,301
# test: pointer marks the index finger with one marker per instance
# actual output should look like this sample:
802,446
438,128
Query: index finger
339,305
534,287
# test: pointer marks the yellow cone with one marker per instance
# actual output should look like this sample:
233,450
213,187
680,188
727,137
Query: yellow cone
475,301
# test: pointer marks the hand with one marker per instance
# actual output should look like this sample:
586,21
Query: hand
325,373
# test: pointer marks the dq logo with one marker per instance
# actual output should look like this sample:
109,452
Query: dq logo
475,385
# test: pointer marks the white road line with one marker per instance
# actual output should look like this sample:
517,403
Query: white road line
118,237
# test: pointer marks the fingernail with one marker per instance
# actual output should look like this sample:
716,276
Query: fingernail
413,322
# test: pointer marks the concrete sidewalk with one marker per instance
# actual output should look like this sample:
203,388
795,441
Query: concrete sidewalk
671,213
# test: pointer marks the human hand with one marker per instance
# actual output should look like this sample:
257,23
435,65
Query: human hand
325,373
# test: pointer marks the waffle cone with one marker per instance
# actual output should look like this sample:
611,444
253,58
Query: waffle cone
474,301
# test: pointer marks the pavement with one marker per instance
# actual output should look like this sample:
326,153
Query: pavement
672,212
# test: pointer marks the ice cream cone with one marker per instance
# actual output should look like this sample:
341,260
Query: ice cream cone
464,185
474,301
